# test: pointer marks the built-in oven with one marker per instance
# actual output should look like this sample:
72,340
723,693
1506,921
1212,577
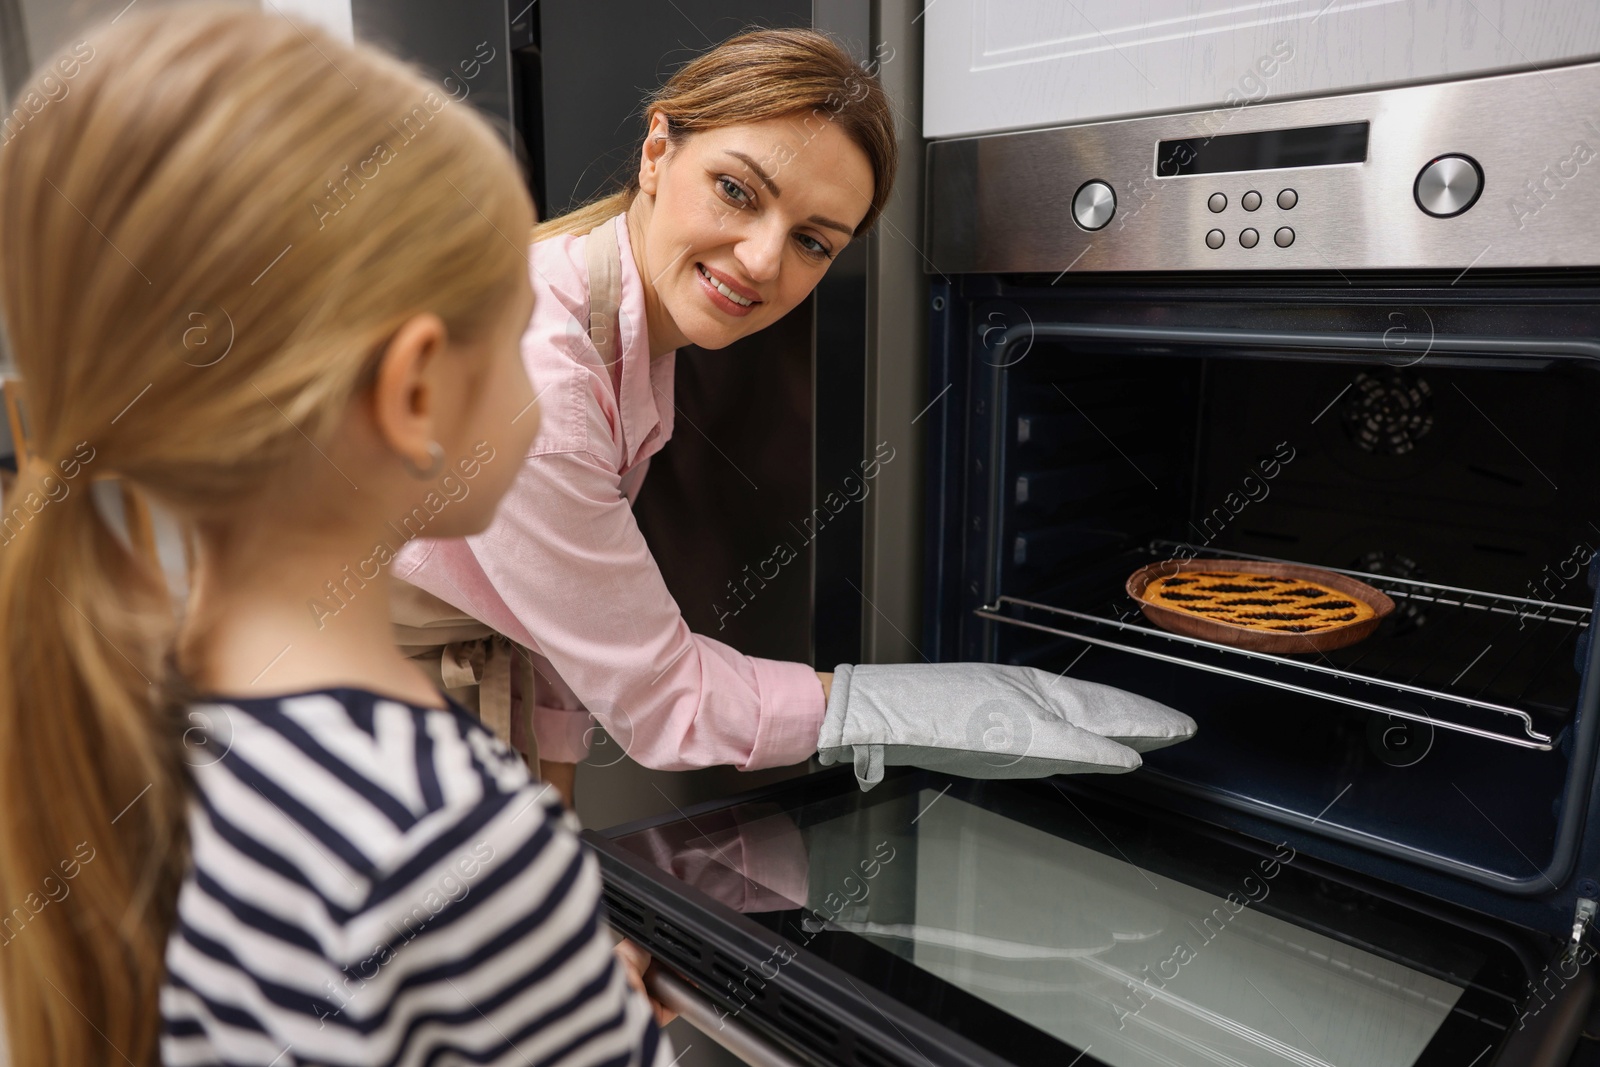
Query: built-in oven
1359,332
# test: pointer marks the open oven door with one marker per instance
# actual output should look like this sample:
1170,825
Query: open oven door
936,920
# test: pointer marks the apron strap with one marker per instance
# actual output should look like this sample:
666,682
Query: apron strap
494,689
605,290
491,677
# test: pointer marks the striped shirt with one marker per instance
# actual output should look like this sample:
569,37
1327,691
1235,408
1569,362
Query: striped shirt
376,883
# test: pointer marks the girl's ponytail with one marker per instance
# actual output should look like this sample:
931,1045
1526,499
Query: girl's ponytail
91,783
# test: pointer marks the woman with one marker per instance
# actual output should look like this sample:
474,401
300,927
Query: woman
763,158
312,859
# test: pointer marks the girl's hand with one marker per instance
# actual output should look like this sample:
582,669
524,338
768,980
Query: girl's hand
635,962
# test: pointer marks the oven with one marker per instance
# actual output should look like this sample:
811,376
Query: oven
1360,332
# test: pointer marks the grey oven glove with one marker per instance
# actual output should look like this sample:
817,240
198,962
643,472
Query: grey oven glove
988,720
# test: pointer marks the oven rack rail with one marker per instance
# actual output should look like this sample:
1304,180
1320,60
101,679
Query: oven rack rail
1446,707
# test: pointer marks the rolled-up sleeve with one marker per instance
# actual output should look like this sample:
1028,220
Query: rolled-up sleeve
568,560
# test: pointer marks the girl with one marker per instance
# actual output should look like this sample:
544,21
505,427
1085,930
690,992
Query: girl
763,159
276,283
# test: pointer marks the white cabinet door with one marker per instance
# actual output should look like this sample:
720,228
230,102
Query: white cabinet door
994,65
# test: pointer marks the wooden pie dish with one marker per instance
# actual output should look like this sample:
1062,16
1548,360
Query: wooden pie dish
1252,638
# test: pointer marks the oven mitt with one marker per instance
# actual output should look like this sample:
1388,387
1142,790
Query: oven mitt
988,720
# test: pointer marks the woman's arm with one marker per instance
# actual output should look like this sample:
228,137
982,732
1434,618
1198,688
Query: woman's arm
569,563
563,777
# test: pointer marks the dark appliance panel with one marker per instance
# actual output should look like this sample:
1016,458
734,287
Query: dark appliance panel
740,478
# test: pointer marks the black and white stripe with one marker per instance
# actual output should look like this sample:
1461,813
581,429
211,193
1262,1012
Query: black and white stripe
374,883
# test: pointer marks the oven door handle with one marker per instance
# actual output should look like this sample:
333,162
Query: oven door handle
1402,347
693,1007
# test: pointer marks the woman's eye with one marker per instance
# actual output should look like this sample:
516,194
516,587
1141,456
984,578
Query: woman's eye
733,191
812,245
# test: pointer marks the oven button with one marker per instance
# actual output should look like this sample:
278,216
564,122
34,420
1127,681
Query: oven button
1249,238
1093,205
1448,186
1284,237
1288,199
1217,202
1250,201
1214,239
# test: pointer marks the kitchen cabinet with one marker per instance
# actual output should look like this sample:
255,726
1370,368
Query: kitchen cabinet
1014,64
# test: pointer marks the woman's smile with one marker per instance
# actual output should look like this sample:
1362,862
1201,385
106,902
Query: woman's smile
726,294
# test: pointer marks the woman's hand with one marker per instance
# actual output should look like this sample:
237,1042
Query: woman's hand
563,777
635,962
826,678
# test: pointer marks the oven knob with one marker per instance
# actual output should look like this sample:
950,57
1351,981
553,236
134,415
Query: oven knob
1449,185
1093,205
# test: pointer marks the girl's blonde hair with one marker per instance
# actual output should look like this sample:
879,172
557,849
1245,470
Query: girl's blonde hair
756,76
207,233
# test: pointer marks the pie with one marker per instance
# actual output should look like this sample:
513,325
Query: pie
1258,601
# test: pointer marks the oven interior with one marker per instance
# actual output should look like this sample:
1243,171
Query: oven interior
1459,485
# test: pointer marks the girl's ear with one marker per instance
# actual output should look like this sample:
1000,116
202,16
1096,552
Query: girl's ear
653,153
405,397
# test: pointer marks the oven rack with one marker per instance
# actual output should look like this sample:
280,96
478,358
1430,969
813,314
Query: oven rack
1415,676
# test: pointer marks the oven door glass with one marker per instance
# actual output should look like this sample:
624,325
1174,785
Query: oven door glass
1040,921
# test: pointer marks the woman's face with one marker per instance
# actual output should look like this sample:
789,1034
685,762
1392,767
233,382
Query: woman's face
744,221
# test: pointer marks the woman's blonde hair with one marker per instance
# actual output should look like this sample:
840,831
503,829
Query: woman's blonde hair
756,76
208,230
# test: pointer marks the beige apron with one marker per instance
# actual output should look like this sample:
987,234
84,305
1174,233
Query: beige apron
485,672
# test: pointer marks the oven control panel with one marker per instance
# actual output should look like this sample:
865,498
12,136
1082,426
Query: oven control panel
1246,205
1481,172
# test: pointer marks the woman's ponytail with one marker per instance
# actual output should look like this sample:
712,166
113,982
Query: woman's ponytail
581,220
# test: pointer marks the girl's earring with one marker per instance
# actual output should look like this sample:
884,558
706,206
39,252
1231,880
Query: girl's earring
435,462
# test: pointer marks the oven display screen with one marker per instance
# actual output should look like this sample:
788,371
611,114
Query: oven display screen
1308,146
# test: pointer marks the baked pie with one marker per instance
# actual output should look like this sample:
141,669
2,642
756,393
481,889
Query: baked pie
1258,601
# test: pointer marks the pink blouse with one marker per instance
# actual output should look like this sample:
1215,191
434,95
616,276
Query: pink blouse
564,570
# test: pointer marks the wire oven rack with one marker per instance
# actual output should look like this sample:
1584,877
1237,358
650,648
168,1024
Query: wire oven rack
1459,659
